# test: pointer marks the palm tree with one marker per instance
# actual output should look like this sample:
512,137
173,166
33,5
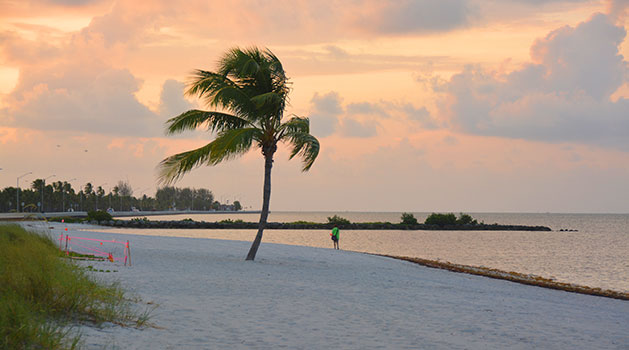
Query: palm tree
250,91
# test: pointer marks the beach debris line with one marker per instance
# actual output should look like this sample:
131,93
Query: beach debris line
82,248
528,279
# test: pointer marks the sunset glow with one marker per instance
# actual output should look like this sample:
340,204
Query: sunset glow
458,105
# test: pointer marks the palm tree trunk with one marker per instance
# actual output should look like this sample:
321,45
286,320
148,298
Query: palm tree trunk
266,199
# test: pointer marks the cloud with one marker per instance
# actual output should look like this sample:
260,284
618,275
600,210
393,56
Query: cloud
320,21
353,127
418,16
564,95
19,51
618,9
363,119
329,116
366,108
95,99
325,112
583,58
172,101
129,23
73,2
420,115
309,21
543,2
333,60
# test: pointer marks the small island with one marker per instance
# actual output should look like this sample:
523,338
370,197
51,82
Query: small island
436,221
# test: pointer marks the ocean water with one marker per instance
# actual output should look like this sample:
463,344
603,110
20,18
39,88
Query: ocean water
595,255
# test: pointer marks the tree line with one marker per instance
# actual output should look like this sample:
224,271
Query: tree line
60,196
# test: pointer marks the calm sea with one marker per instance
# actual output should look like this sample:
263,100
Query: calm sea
596,255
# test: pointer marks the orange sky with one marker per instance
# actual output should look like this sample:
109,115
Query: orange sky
457,105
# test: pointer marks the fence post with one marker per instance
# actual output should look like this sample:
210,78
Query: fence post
128,254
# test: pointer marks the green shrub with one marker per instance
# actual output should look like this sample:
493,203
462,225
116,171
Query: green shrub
230,221
465,219
337,220
408,219
441,219
98,215
450,220
302,222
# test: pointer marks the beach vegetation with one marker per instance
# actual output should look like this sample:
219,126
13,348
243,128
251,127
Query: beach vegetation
438,219
303,222
408,219
449,219
466,219
43,295
230,221
247,95
98,215
337,220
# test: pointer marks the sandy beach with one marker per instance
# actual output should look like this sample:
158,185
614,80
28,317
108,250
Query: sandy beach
294,297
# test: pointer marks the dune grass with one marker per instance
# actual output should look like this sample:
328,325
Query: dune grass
43,295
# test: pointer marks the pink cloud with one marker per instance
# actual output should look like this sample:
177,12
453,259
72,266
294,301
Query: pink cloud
563,96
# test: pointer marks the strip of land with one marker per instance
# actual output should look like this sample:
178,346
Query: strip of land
229,224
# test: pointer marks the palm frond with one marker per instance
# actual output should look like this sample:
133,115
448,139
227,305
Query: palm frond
202,81
295,125
228,144
175,166
255,72
305,146
267,99
231,143
217,90
193,119
234,61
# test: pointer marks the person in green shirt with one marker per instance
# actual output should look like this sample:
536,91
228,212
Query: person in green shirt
335,237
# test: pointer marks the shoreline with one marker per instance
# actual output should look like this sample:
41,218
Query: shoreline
516,277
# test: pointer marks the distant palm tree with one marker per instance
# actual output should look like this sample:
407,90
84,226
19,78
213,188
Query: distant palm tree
250,89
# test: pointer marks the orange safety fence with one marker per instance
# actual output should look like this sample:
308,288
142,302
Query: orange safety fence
99,248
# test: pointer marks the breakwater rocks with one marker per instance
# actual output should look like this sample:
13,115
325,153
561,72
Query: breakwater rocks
190,224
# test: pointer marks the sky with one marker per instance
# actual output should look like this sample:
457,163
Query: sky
450,105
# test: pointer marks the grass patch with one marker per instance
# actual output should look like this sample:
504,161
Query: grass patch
42,295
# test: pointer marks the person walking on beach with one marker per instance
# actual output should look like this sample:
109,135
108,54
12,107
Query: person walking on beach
335,237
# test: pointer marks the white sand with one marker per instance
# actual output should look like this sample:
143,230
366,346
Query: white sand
312,298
